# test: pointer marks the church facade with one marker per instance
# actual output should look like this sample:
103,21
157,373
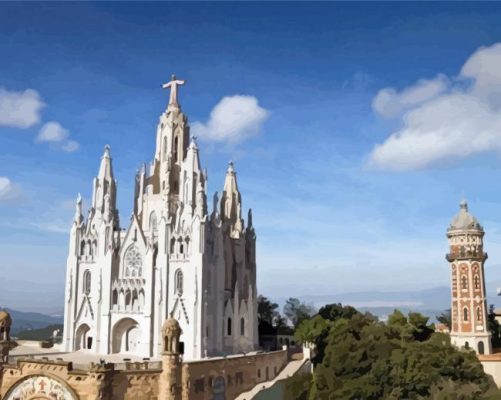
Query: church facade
176,259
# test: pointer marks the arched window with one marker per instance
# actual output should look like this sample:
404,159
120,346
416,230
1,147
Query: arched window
153,224
476,282
165,149
178,279
133,262
172,245
481,347
479,314
89,245
242,326
175,150
82,248
115,297
228,327
465,314
466,345
464,282
86,281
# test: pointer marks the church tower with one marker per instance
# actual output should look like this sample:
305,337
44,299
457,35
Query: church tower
469,307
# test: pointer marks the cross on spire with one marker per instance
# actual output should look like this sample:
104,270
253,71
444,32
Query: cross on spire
173,89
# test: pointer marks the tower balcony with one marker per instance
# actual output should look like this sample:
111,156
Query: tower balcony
466,255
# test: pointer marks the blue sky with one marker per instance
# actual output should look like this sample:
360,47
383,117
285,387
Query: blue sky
365,124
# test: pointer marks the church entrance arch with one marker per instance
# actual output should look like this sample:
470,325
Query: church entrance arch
82,338
126,336
40,387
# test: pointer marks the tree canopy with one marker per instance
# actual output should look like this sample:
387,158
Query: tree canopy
359,357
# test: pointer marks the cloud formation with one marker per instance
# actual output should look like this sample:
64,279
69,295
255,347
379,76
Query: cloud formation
53,132
233,119
443,119
8,190
20,109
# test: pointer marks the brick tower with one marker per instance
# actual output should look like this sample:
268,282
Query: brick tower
469,306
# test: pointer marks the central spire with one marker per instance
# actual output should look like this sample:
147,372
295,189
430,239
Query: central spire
173,89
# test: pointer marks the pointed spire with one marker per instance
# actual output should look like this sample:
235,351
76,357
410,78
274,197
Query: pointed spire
104,183
463,204
193,143
249,218
231,202
105,169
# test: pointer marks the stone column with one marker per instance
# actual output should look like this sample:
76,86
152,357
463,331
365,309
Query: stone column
169,384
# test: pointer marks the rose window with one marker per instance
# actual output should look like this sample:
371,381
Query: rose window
133,262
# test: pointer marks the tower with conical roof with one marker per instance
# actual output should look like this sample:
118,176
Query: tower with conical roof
468,306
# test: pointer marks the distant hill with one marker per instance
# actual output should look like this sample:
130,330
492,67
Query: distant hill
39,334
24,321
429,302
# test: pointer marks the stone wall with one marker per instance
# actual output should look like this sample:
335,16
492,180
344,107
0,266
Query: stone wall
199,380
240,373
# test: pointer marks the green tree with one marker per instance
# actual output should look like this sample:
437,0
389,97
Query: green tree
266,310
401,359
296,311
445,318
494,328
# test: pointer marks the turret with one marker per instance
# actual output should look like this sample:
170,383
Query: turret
169,385
468,305
231,203
104,184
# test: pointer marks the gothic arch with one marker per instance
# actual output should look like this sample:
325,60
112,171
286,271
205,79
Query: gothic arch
126,336
82,337
87,280
178,282
465,314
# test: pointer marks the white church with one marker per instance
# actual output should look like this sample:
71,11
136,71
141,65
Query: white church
176,258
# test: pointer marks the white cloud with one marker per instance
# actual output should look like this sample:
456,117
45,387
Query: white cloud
53,132
70,146
233,119
444,122
8,190
20,109
389,103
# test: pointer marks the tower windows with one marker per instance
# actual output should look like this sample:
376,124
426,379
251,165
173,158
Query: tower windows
86,282
165,149
464,282
465,314
479,314
178,279
228,327
82,248
481,349
476,282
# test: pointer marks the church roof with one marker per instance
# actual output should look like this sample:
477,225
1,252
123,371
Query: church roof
464,220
